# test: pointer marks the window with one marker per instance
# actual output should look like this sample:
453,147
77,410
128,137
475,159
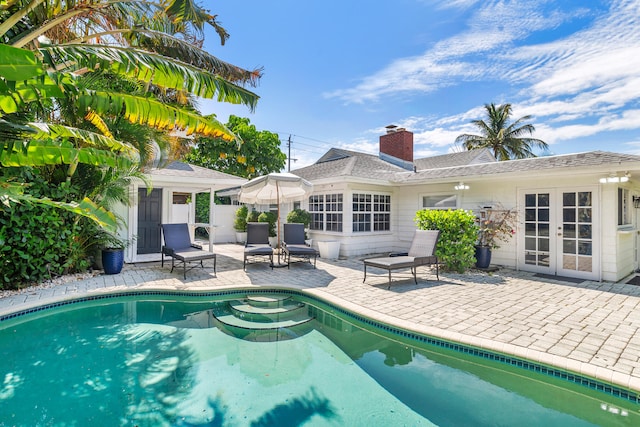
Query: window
326,212
371,212
442,201
624,208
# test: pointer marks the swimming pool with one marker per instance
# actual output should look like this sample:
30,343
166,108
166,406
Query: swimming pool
154,358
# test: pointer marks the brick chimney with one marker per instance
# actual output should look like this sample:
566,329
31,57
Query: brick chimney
396,147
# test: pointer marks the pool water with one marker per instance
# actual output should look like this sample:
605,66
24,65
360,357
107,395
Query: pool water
151,361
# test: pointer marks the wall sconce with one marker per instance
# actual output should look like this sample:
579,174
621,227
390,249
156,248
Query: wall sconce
461,186
636,201
614,178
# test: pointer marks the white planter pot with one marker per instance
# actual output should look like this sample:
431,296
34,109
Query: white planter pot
273,241
329,249
241,236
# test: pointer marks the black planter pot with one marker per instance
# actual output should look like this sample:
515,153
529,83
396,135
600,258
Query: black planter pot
483,256
112,260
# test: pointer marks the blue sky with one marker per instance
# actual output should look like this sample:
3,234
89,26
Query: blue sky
336,72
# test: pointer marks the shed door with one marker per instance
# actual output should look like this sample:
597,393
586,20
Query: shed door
559,235
149,220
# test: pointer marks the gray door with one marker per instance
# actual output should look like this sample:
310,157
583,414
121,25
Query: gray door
149,219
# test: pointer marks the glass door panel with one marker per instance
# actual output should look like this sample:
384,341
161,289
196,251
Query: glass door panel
536,228
576,231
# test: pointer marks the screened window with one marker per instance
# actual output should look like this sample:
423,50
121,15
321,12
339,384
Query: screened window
326,212
371,212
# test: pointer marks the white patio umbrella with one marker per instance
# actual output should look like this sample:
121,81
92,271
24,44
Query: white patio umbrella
275,188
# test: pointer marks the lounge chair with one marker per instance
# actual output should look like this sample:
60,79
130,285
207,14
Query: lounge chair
257,244
422,252
178,246
294,245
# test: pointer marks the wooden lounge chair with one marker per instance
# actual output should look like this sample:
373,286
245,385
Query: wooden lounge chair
257,244
422,252
178,246
294,245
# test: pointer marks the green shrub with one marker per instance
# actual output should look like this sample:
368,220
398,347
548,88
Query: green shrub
240,222
253,216
271,218
36,242
458,235
299,216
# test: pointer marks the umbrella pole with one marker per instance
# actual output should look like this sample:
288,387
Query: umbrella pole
278,242
278,248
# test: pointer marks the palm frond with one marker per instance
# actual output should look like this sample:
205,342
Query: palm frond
53,152
150,68
173,47
147,111
48,131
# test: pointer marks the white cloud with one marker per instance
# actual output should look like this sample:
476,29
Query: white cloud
491,31
574,87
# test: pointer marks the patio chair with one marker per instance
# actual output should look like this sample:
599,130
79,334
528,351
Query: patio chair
257,244
422,252
294,245
178,246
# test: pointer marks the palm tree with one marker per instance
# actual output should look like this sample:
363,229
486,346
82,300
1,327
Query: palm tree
51,113
503,138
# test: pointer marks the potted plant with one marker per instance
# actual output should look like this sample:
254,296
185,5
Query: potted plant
240,224
494,225
113,247
271,218
253,216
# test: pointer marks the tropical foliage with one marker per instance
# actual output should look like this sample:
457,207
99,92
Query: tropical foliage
48,46
259,154
505,139
93,90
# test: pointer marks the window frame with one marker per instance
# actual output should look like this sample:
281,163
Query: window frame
370,212
624,205
327,209
444,195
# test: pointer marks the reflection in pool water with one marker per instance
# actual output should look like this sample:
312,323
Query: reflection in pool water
153,361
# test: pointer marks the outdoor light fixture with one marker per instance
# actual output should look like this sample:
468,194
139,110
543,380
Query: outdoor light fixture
461,186
614,178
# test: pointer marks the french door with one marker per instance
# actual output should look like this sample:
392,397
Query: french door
559,232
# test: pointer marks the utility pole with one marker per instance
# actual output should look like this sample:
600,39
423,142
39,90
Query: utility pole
289,155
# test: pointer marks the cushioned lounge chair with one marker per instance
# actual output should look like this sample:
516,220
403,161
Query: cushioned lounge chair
178,246
293,244
422,252
257,244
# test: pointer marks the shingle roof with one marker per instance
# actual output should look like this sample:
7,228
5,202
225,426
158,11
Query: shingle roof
455,159
344,163
337,162
564,161
182,169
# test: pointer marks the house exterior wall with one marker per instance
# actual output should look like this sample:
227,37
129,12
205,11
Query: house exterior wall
357,243
616,247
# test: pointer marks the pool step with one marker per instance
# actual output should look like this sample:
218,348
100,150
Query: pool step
257,318
268,301
244,310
